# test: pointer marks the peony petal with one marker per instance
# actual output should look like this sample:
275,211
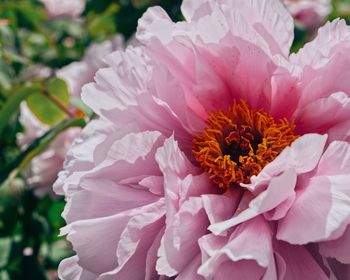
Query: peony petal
317,53
220,207
69,269
110,198
303,156
180,238
338,249
279,190
269,19
314,117
103,255
322,201
300,264
247,251
190,272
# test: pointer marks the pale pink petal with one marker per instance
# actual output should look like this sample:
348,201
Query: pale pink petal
340,131
230,55
322,201
268,19
110,198
151,259
104,254
220,207
318,52
314,117
179,244
69,269
303,156
279,190
247,251
134,149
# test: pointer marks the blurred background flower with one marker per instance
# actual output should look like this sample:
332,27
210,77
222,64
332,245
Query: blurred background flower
309,14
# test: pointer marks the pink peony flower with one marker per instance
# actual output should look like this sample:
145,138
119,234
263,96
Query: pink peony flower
216,155
44,168
64,8
310,14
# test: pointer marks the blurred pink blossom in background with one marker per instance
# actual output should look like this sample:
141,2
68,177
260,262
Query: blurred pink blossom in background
310,14
64,8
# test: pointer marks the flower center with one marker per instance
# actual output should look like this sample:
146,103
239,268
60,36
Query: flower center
238,143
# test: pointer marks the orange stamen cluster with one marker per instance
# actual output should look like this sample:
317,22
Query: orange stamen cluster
238,143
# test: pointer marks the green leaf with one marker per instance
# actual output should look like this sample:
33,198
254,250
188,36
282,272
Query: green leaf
36,148
12,104
44,105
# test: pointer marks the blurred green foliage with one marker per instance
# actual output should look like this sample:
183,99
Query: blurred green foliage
29,225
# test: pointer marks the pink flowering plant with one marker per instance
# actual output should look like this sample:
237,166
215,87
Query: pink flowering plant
216,153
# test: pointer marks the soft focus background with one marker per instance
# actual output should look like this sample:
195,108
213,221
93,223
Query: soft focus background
48,50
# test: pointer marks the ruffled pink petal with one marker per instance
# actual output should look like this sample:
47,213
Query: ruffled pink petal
340,131
156,102
69,269
179,182
318,52
135,242
110,198
268,19
314,117
246,253
134,149
186,219
299,263
79,159
151,259
279,190
107,255
322,201
118,89
303,156
216,69
338,249
324,83
190,271
220,207
180,240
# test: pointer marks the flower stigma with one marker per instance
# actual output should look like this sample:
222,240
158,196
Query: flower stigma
239,142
